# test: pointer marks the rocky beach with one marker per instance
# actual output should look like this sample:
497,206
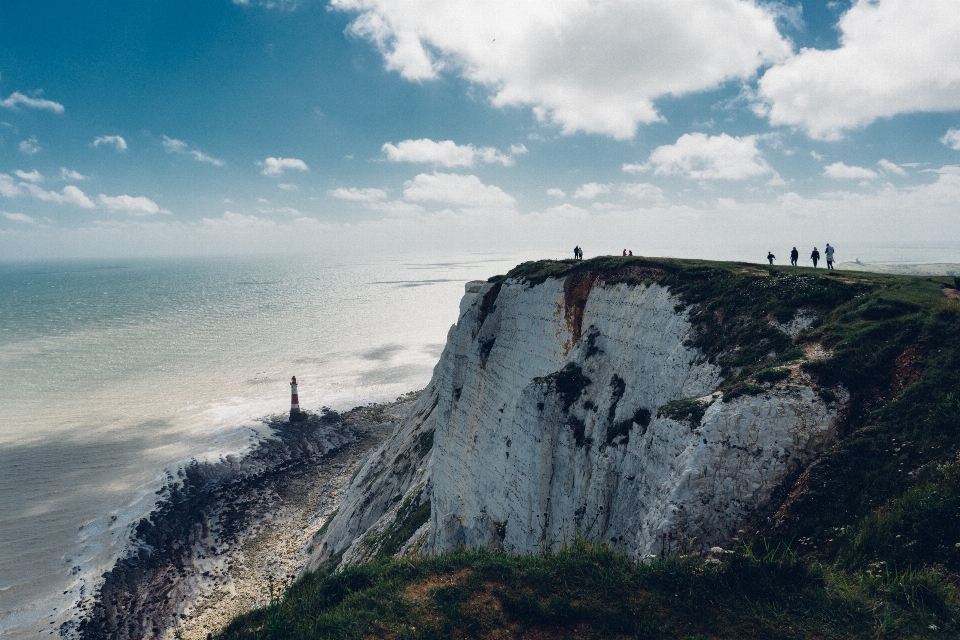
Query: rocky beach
228,536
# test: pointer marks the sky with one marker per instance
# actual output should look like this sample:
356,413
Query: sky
696,128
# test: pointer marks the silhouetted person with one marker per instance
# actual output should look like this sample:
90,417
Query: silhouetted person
829,252
815,256
624,253
794,256
630,253
771,257
577,253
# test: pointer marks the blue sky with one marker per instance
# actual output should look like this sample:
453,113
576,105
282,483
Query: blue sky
709,128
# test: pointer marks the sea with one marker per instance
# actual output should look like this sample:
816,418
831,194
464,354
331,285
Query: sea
114,374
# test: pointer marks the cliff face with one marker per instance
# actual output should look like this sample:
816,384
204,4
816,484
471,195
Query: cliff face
579,406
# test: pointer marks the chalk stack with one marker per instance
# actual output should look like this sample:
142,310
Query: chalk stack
295,414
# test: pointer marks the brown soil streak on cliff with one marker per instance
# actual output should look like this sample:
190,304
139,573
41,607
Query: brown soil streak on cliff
576,290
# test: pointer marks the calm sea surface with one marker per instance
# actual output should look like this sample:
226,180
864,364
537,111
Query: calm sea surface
113,373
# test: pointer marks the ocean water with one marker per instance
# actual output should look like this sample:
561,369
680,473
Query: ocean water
113,374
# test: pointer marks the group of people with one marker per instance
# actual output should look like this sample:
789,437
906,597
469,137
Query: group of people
577,253
814,255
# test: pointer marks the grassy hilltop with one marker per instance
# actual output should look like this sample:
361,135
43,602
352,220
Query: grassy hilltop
864,543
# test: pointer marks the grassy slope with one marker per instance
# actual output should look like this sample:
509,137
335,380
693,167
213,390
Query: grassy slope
872,529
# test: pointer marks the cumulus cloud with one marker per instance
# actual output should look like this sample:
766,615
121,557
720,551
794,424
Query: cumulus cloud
286,186
70,174
556,193
19,217
583,65
117,141
890,167
16,99
69,195
841,171
172,145
447,153
895,56
702,157
359,195
591,190
952,139
32,176
276,166
30,146
135,206
455,189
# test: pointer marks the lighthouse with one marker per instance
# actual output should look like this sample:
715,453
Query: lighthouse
295,414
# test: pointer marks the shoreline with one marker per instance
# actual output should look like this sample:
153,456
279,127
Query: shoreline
224,535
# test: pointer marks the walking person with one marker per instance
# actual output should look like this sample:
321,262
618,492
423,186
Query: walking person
829,252
794,256
815,256
771,257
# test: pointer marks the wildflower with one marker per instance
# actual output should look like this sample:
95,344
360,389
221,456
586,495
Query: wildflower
934,627
717,550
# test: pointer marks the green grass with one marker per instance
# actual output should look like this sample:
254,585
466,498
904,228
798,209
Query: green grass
588,591
873,525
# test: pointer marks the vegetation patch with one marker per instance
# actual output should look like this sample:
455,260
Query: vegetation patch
689,409
623,428
590,591
410,517
569,383
772,375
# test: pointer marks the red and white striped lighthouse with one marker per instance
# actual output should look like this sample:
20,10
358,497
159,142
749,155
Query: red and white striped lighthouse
295,413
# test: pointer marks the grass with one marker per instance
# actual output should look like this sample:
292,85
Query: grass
864,543
586,591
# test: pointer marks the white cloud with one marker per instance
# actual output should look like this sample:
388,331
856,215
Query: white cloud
172,145
135,206
635,168
455,189
276,166
556,193
447,153
32,176
16,98
19,217
952,139
816,156
231,220
580,64
840,171
359,195
29,146
117,141
591,190
643,191
890,167
8,187
703,157
895,56
286,186
69,195
70,174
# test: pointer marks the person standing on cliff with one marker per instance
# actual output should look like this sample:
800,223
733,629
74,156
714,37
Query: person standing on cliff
815,256
577,254
771,257
794,256
829,252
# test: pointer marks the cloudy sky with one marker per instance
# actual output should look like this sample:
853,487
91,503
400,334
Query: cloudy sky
710,128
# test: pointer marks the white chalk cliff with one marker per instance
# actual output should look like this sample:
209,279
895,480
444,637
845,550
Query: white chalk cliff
547,419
